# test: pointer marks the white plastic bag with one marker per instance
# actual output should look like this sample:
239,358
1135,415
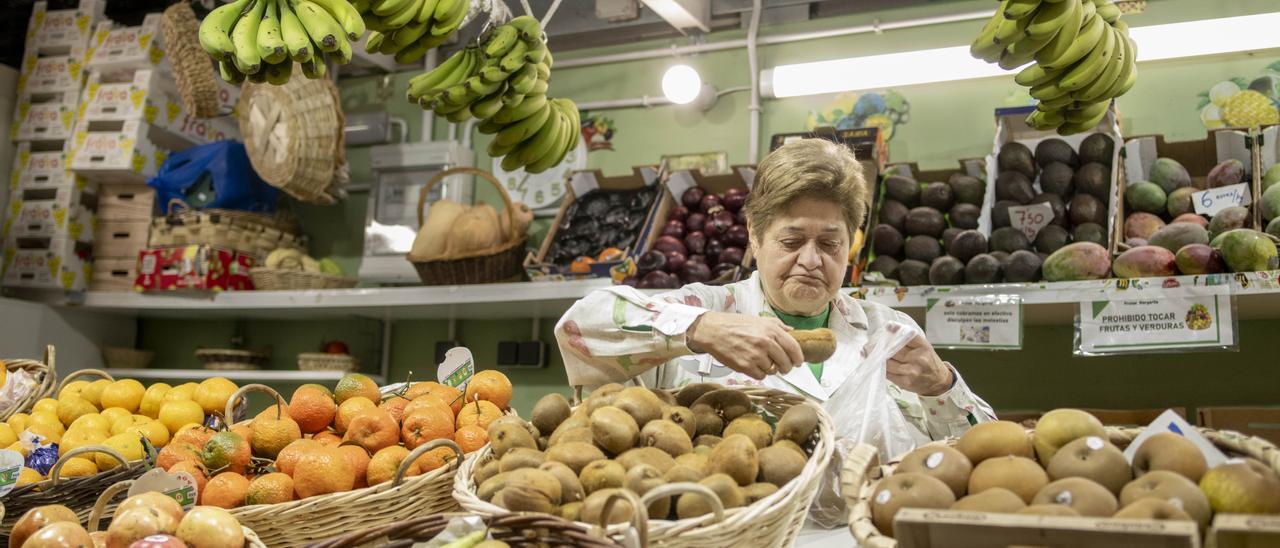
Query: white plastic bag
18,386
863,412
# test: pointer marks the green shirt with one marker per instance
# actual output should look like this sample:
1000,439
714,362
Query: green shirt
805,323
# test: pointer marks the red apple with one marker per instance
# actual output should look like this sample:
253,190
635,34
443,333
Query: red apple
335,347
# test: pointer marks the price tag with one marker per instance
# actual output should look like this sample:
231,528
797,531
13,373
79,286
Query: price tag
10,467
180,486
1030,218
458,367
1210,202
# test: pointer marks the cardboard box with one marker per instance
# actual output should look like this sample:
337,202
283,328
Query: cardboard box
148,95
126,202
119,151
137,47
47,263
1243,531
45,117
919,528
193,267
674,186
58,32
120,239
52,212
114,274
1263,422
42,164
51,74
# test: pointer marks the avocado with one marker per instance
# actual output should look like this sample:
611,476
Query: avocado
1051,238
1013,185
1055,150
902,189
1057,178
1145,196
1022,266
886,240
967,190
1094,179
1169,174
1002,256
1009,240
926,221
950,234
967,244
886,265
1090,232
923,248
1087,209
937,196
894,214
965,216
946,270
1097,148
913,272
982,269
1015,156
1055,202
1000,213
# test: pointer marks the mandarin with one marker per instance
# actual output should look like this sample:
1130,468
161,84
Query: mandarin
288,457
225,490
471,438
491,386
384,464
373,429
435,458
394,406
479,413
348,410
426,425
321,471
359,463
272,488
355,385
312,407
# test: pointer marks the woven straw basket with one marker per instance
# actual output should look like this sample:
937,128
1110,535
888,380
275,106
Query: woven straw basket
773,521
127,358
80,494
500,263
320,361
46,378
294,136
520,530
192,70
251,539
276,279
862,469
311,519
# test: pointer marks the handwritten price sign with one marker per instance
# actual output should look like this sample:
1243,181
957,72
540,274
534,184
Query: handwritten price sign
1030,218
1210,202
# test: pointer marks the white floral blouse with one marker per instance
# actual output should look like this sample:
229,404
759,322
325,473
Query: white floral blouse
618,333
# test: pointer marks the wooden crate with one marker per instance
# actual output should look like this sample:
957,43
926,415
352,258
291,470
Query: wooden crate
917,528
1263,422
120,239
1241,531
114,274
125,202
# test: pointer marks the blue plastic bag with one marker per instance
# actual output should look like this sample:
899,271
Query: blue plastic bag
216,175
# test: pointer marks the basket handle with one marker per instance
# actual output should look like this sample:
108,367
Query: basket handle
78,373
421,450
55,473
431,183
673,489
639,514
100,507
50,353
238,394
169,208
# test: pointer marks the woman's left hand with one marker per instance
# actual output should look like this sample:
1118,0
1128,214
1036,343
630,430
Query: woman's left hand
917,368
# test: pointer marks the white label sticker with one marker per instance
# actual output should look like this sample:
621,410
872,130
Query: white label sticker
933,460
1210,202
458,367
10,467
1030,218
883,497
992,322
1165,321
1094,442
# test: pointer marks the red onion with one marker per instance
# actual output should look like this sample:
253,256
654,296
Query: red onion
731,255
695,242
696,258
695,272
651,260
741,217
678,213
718,224
667,244
675,261
733,199
692,198
695,222
658,280
674,229
737,236
631,281
713,248
709,202
721,268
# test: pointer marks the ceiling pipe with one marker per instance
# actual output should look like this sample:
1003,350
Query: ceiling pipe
753,64
650,101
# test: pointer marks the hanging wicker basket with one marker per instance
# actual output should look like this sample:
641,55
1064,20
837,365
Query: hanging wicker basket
192,70
46,379
293,135
501,263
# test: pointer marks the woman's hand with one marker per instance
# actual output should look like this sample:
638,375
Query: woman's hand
917,368
751,345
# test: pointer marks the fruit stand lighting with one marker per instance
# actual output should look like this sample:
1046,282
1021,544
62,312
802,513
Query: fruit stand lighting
681,84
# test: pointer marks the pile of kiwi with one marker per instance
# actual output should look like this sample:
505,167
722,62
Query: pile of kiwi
927,234
568,462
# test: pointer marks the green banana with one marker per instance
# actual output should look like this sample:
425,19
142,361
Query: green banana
360,6
571,135
1107,79
529,27
375,40
416,51
511,98
458,95
270,43
325,32
315,67
1057,103
259,77
1011,30
458,116
389,45
215,30
1033,75
1091,66
485,107
1017,9
1109,12
514,59
544,71
1084,42
523,80
539,87
524,109
488,126
373,22
342,55
1071,128
1022,52
449,15
278,73
295,36
984,46
409,33
542,142
244,35
1063,39
482,87
535,54
425,11
1049,19
523,129
501,40
1087,112
346,16
498,150
1048,91
384,8
403,17
230,73
442,75
1130,67
1045,121
493,73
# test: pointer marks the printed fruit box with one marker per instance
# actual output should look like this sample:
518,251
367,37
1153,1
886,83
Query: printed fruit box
128,152
58,32
45,117
51,74
43,164
193,267
53,212
47,263
146,95
127,47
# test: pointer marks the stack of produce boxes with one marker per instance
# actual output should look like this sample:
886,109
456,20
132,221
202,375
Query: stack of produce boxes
49,226
124,228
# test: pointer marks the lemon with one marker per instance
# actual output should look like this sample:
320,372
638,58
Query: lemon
154,431
28,476
19,448
7,435
93,420
183,391
1222,92
18,422
71,408
128,444
49,434
73,387
213,393
113,414
126,394
76,467
80,437
152,398
47,405
93,392
179,413
49,420
4,373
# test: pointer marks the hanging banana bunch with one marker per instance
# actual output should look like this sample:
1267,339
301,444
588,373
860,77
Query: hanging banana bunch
408,28
1080,53
502,82
260,40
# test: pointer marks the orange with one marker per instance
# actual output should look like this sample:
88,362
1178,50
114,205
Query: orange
435,458
321,471
426,401
195,469
609,254
328,438
394,406
479,413
491,386
373,429
312,407
225,490
359,462
289,456
270,488
449,395
419,388
270,434
244,429
471,438
275,411
195,434
581,265
426,425
382,467
355,385
348,410
226,451
177,452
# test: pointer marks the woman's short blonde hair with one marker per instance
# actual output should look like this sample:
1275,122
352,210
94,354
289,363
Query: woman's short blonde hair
807,168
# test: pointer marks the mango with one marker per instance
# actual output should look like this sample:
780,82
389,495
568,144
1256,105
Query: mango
1231,218
1169,174
1141,225
1145,262
1199,259
1145,196
1179,202
1229,172
1245,250
1271,203
1077,261
1192,218
1273,228
1270,177
1173,236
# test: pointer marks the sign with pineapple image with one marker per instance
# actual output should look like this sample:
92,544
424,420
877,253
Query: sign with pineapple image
1242,102
1135,321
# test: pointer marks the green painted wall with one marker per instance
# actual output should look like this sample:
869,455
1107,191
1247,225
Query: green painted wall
948,121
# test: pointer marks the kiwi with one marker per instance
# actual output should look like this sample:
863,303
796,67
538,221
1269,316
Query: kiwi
491,486
561,435
728,404
983,269
1009,240
894,214
1049,510
571,511
551,410
651,456
601,397
614,430
1086,208
507,436
779,465
940,461
906,490
997,499
886,240
521,457
690,393
937,196
570,486
706,440
521,496
913,272
1014,186
797,424
683,418
1057,178
708,423
753,427
923,248
1055,151
641,480
925,221
967,245
1051,238
885,265
693,460
667,436
640,403
486,471
757,491
946,270
601,474
540,479
736,456
666,397
516,420
593,508
680,473
692,505
1000,213
1084,496
902,189
967,190
792,446
576,454
965,216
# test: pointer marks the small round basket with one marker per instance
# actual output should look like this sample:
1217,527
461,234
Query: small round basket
318,361
46,379
192,70
126,358
293,136
230,359
276,279
501,263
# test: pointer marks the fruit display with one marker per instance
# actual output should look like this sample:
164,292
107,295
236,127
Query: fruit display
704,239
145,520
1270,206
407,29
260,40
1080,55
452,229
503,84
569,461
928,234
1069,467
598,226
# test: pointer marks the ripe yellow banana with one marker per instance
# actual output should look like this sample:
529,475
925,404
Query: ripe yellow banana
215,30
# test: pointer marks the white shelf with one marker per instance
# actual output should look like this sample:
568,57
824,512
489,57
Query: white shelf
252,375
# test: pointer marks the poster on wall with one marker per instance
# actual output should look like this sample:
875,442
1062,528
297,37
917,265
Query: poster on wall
1191,319
984,322
1243,101
882,109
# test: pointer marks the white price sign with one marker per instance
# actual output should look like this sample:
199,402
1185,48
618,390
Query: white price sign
988,322
1166,321
1210,202
1030,218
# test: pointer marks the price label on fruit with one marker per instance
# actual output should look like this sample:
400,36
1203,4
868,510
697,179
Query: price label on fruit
989,322
10,468
179,486
1031,218
1210,202
458,367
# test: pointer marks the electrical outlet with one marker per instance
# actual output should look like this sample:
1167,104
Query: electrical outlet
532,353
508,352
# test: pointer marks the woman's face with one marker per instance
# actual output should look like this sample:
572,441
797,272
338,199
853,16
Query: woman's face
802,256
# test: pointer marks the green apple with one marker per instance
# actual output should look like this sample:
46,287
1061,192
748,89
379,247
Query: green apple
1242,487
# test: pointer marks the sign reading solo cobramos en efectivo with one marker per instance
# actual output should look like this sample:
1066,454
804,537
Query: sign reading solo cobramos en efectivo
1198,319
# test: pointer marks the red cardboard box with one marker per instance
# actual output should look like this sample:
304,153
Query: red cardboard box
193,267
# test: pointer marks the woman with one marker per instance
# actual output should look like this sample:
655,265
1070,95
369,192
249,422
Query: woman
808,199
